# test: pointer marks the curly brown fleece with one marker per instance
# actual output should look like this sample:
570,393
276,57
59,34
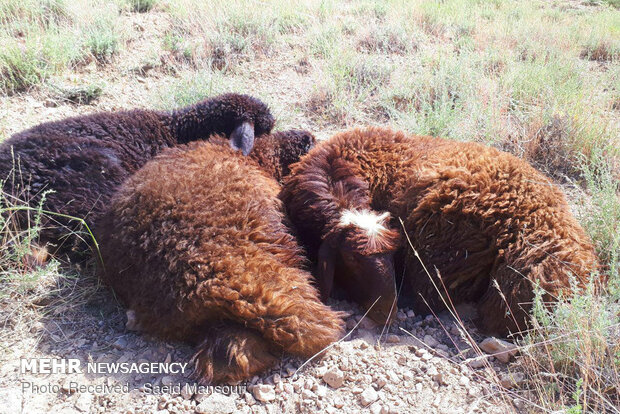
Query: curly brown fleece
84,159
474,213
274,153
195,245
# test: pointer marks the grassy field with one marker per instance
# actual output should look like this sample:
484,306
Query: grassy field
540,79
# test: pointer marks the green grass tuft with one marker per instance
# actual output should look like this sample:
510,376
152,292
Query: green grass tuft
141,6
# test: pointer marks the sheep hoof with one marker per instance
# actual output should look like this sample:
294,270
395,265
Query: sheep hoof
231,355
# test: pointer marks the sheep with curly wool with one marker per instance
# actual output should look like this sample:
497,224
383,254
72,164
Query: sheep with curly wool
196,246
76,164
490,225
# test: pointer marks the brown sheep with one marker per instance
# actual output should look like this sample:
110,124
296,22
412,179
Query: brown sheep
195,245
474,213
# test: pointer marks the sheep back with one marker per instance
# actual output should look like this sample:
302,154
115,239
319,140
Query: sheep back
196,239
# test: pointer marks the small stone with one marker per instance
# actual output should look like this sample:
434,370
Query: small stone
443,347
84,402
476,363
464,381
290,369
298,385
357,390
308,395
338,403
120,343
393,377
249,400
321,391
264,392
410,314
430,341
518,403
442,353
186,392
376,408
217,404
393,339
289,389
368,323
402,360
369,395
401,316
381,382
501,350
511,380
132,321
66,386
334,378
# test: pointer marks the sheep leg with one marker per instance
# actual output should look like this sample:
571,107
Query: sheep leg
505,306
455,259
231,353
549,264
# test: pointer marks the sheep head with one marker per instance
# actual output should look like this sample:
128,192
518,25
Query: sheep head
359,251
277,151
239,117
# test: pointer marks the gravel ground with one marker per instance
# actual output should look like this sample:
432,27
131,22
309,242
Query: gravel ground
417,365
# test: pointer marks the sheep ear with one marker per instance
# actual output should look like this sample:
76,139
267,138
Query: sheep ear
325,270
242,138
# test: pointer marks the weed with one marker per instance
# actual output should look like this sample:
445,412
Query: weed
141,6
79,95
44,38
102,40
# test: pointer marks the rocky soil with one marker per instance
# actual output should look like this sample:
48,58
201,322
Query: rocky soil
417,365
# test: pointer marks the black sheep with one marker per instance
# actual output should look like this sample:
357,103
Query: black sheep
84,159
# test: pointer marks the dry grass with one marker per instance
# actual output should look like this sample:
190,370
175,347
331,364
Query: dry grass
33,285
